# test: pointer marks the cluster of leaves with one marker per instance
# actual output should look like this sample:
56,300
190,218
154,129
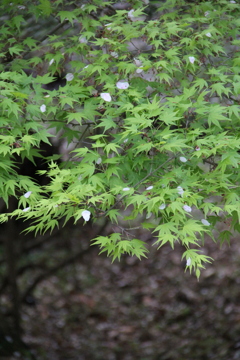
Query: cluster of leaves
149,107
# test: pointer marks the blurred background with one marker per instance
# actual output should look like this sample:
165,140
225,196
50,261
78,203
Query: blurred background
74,304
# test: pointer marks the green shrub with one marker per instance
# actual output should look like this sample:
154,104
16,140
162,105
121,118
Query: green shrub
147,98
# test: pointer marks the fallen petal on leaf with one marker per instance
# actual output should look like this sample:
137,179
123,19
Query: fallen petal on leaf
86,215
106,96
69,77
205,222
43,108
27,194
182,159
123,85
187,208
191,59
162,207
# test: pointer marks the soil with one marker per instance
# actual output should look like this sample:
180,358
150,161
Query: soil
148,310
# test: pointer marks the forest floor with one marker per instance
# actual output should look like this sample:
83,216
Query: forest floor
145,310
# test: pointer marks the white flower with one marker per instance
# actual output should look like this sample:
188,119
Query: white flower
162,207
206,13
197,148
130,14
47,96
51,62
126,140
106,96
180,190
82,40
205,222
69,77
187,208
126,189
26,209
86,215
27,194
85,67
149,188
191,59
189,262
148,215
182,159
22,7
139,70
114,54
99,160
43,108
208,34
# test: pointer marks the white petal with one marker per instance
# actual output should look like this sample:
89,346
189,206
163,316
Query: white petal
187,208
205,222
51,61
69,77
149,188
106,96
191,59
27,194
47,96
162,207
43,108
189,262
123,85
85,67
197,148
182,159
126,140
114,54
26,209
99,160
208,34
86,215
206,13
180,190
126,189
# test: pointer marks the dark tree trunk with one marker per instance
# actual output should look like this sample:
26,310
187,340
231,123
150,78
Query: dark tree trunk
11,254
